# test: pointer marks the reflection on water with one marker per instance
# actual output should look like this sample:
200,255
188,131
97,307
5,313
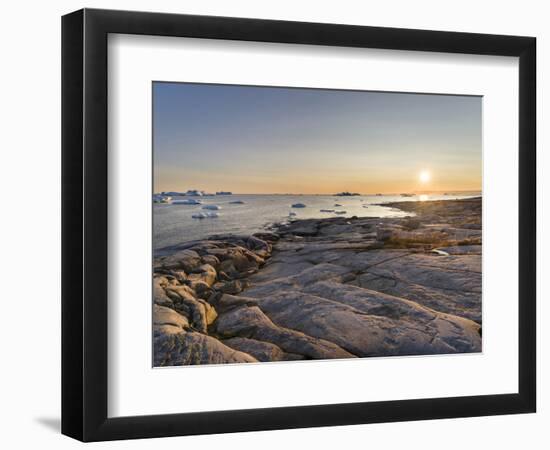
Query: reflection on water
173,224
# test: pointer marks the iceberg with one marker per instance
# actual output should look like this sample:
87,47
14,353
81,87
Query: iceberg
202,215
161,198
337,204
237,202
211,207
298,205
187,201
224,193
340,212
326,210
290,214
194,193
347,194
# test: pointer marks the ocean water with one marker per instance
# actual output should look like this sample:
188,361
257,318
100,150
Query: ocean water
174,224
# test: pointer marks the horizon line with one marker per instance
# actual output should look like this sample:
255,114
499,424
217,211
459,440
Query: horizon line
338,194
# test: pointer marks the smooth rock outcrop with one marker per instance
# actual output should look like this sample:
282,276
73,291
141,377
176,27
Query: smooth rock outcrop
178,349
324,289
262,351
251,322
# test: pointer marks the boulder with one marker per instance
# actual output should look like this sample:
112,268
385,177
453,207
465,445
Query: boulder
205,273
267,236
210,260
255,243
159,293
178,349
163,316
232,287
201,289
251,322
196,309
262,351
187,259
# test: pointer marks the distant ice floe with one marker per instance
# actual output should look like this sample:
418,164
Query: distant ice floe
327,210
340,212
195,193
212,207
237,202
298,205
161,198
187,201
202,215
347,194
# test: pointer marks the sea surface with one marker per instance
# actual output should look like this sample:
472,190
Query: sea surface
174,224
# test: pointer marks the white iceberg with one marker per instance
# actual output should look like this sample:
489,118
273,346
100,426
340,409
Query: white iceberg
202,215
194,193
212,207
187,201
298,205
161,199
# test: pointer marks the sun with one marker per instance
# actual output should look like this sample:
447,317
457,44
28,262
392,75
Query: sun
424,176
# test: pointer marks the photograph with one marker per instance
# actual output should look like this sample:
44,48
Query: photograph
296,223
326,220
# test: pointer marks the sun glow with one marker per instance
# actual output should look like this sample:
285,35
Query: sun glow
424,176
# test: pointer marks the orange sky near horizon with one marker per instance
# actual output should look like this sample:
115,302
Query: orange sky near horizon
265,140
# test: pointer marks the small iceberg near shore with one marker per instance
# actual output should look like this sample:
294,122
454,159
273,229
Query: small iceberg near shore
212,207
202,215
195,193
298,205
237,202
326,210
187,201
340,212
161,199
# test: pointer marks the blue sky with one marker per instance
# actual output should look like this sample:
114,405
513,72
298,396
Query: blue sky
250,139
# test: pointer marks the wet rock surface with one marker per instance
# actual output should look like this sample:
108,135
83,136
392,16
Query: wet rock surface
324,289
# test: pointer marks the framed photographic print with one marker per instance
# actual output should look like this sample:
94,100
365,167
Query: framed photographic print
273,224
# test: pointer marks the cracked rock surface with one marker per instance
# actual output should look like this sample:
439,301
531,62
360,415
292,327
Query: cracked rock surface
324,289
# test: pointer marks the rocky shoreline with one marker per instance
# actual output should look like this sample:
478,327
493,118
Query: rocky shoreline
324,289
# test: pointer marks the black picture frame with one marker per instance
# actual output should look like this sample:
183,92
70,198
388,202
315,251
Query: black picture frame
84,224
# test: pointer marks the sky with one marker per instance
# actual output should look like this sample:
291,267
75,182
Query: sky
267,140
